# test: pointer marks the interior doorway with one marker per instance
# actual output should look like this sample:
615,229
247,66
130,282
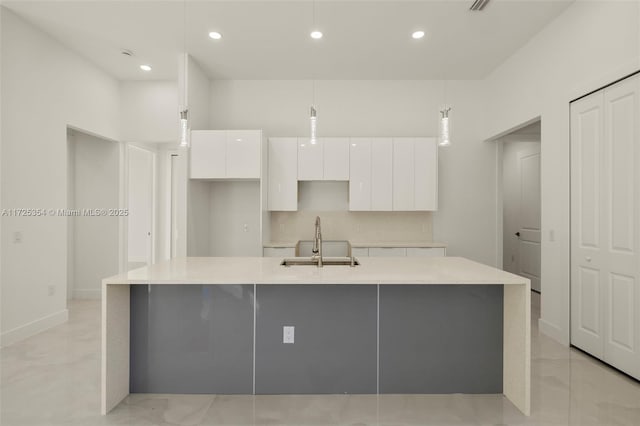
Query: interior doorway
141,173
93,188
520,185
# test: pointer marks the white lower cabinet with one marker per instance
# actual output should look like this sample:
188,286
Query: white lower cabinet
279,252
387,251
360,251
426,251
399,251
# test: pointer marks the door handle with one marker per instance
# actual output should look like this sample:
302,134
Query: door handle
588,259
518,234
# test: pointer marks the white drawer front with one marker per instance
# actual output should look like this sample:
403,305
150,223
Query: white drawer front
279,252
360,251
426,251
387,251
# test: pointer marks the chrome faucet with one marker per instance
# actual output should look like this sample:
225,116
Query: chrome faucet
317,243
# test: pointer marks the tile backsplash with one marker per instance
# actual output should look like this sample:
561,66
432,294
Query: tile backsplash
354,226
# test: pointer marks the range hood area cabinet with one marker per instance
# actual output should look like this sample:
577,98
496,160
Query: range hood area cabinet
393,174
225,154
327,159
384,174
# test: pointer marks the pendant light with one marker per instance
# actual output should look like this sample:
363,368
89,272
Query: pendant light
313,115
444,122
184,110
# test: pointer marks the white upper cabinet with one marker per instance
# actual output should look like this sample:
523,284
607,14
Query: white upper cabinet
425,191
243,153
327,159
415,174
360,174
403,174
283,174
225,154
335,158
382,174
208,154
309,159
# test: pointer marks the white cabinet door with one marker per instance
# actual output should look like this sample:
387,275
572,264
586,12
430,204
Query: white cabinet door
360,174
279,252
425,251
587,131
208,154
335,158
425,191
620,216
403,174
310,159
283,174
243,154
382,174
387,251
360,251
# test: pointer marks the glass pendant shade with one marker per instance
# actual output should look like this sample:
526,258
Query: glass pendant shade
444,127
313,121
184,128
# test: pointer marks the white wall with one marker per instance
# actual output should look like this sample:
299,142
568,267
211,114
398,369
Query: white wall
590,44
149,111
466,219
45,87
95,253
234,205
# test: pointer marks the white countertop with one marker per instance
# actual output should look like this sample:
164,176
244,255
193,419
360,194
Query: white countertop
267,270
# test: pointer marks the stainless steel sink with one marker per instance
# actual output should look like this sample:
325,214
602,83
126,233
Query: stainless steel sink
326,261
330,248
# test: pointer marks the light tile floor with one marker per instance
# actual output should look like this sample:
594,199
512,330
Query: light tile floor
54,379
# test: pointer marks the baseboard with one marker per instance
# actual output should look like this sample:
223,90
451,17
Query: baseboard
34,327
553,331
87,294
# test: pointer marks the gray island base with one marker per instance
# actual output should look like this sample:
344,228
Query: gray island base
175,328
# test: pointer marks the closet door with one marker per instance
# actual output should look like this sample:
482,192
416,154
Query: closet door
587,275
620,245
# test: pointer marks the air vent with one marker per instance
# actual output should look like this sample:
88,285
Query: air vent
479,5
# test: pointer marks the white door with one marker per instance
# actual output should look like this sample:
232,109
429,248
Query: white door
360,174
283,174
529,217
382,174
243,154
620,268
140,219
587,292
425,191
335,158
310,159
403,174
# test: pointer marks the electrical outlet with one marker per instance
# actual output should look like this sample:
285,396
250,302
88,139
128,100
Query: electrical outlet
245,227
17,237
288,334
51,290
552,235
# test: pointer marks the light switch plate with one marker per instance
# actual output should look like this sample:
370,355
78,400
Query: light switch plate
288,334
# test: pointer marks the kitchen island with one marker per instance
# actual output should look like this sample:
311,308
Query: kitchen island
389,325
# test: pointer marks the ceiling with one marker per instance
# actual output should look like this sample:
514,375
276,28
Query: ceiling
265,39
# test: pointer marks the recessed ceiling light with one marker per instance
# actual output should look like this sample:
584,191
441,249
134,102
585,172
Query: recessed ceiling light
417,34
215,35
316,35
145,67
